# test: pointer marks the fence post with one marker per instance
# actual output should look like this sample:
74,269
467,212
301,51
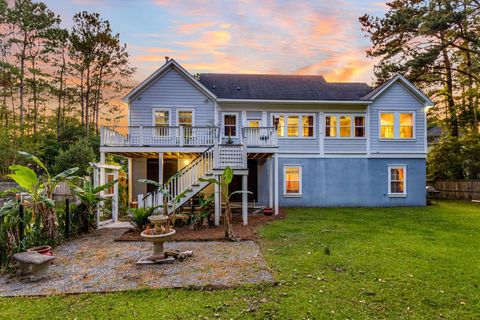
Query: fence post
67,218
21,213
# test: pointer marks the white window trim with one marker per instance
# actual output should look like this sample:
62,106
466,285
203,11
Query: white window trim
300,189
390,193
237,126
352,125
162,109
300,127
396,125
180,109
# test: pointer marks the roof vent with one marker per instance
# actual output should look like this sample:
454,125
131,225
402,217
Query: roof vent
238,87
214,87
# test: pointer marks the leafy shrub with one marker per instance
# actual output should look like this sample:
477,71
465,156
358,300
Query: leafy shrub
140,216
455,158
79,154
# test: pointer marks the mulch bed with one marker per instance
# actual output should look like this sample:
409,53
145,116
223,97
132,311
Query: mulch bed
186,233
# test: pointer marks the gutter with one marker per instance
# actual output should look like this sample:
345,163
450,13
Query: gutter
344,102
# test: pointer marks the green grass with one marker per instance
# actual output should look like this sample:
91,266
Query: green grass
383,263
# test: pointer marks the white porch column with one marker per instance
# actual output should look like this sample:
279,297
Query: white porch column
115,197
102,169
270,184
101,183
130,181
276,185
160,177
245,199
218,203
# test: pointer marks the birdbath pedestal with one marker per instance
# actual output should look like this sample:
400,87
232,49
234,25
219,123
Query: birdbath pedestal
158,235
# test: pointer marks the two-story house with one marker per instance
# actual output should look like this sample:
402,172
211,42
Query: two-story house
292,140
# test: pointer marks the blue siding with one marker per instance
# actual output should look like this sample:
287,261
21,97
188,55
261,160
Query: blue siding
351,182
397,98
171,90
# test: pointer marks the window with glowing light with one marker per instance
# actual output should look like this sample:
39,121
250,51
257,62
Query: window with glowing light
295,126
292,181
397,180
161,120
397,125
345,126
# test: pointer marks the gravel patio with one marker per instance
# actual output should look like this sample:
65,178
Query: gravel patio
96,263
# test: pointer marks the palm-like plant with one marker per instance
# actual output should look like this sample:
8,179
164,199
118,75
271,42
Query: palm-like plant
90,197
164,190
40,190
224,182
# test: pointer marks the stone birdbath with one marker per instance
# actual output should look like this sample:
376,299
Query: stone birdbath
160,233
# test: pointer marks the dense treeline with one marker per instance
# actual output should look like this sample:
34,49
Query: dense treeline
436,45
56,85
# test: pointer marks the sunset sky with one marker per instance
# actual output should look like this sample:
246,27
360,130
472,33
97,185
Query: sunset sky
242,36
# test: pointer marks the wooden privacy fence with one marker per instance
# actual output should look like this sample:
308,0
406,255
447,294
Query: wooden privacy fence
458,189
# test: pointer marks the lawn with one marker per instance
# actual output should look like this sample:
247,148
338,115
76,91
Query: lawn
345,263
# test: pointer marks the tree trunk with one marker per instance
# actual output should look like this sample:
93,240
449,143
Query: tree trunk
35,102
21,88
453,120
87,103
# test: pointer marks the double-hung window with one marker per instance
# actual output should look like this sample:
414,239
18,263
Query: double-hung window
397,180
295,125
185,119
397,125
161,121
230,125
292,184
345,126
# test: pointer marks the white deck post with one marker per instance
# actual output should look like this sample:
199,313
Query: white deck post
276,185
101,183
102,169
218,203
270,184
245,199
115,197
130,180
160,175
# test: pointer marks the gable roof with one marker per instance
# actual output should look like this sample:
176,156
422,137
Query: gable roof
274,88
407,84
170,64
281,87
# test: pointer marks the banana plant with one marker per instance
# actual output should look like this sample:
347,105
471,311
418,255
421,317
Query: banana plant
40,191
224,182
90,197
164,190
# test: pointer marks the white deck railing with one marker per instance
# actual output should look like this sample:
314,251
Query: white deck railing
265,137
157,136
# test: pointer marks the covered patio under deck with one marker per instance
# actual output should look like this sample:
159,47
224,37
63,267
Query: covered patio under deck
161,165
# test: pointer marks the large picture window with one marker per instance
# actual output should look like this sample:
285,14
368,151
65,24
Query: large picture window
397,125
345,126
295,126
397,181
292,181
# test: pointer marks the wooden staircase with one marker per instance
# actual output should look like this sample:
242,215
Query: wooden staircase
208,164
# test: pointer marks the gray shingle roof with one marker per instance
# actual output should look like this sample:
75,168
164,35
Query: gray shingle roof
281,87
